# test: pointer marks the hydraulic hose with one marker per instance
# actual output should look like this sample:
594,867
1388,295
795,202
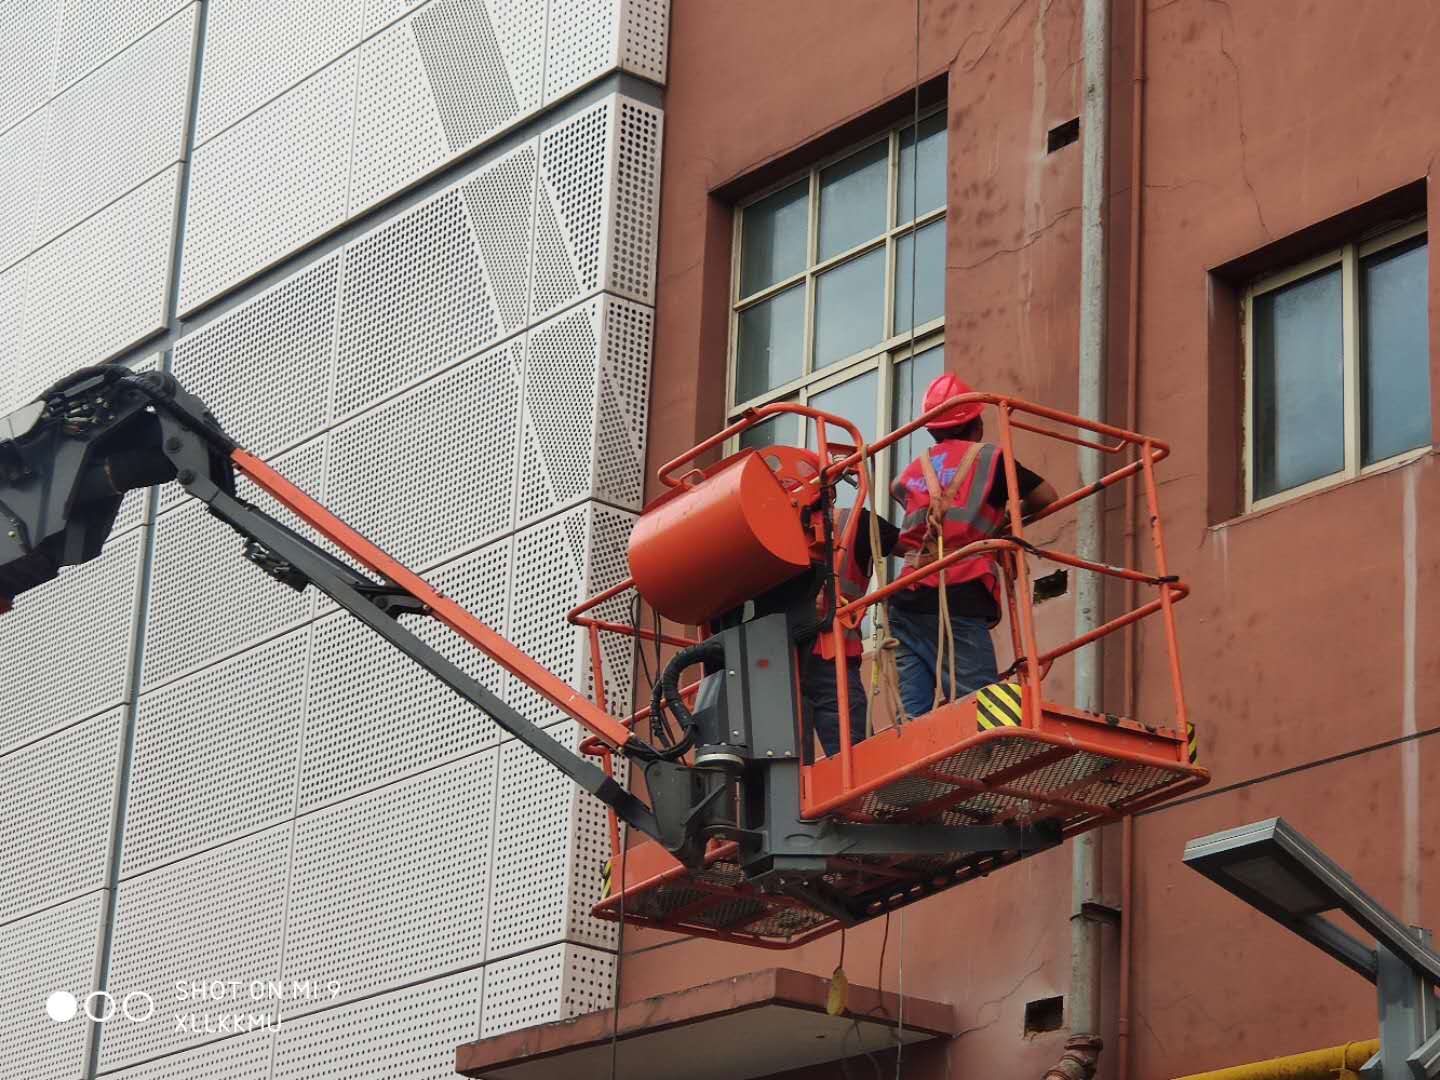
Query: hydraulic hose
667,687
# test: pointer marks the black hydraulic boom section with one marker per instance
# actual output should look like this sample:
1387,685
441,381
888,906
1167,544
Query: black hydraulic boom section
68,459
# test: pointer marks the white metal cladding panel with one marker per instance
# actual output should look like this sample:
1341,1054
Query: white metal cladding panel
374,715
556,983
22,165
91,33
118,127
216,754
467,68
53,950
432,473
413,1032
218,916
380,13
551,844
269,184
135,506
54,848
12,361
101,286
206,599
624,403
635,208
393,887
255,49
645,37
582,42
501,199
520,29
65,649
571,207
245,1057
264,369
28,33
415,300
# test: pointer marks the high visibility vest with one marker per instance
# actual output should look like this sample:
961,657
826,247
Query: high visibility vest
853,583
948,487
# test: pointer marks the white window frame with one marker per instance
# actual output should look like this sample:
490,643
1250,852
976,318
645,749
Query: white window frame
1348,259
881,356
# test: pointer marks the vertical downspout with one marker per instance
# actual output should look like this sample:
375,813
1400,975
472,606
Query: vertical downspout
1090,534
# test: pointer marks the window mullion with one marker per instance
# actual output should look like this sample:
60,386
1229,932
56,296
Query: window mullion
812,246
1247,394
1350,329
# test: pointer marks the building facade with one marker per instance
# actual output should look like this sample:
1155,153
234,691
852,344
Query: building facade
406,252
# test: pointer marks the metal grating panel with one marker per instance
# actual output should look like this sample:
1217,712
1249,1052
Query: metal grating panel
119,261
118,127
636,207
467,70
400,876
432,472
206,600
645,37
255,49
213,917
54,950
501,199
582,43
571,218
269,184
555,983
414,1032
28,33
90,34
414,301
245,1057
374,715
265,368
398,131
52,848
184,796
43,682
22,167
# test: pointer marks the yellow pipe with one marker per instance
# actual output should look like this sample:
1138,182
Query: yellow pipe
1336,1063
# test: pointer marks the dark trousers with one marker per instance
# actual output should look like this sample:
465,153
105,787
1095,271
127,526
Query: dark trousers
820,700
916,660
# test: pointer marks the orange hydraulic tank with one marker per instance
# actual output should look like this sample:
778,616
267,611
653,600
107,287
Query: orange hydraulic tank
707,547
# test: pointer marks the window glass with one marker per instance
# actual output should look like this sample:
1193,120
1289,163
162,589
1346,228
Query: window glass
1395,351
773,238
853,399
849,307
1298,396
852,200
929,186
777,429
929,266
770,343
912,376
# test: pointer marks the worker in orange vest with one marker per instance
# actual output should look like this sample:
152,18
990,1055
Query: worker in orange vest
952,494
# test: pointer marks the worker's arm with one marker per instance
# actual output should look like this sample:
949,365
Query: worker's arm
1037,498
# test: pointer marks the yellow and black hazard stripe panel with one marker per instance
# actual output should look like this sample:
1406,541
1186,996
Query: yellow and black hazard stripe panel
605,882
998,705
1192,742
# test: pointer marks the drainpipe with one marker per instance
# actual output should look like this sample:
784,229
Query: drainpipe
1090,534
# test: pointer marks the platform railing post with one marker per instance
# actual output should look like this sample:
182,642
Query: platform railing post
1162,571
1031,702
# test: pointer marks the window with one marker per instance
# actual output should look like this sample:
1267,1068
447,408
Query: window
824,286
1337,366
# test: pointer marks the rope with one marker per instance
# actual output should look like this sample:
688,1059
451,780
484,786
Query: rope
883,644
619,961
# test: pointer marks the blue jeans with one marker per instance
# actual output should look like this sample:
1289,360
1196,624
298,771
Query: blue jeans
916,661
820,700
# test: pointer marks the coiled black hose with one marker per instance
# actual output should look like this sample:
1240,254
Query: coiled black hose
667,689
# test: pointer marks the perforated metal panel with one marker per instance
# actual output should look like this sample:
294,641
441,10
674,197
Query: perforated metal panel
22,165
398,131
53,950
91,34
556,983
119,261
583,42
264,369
184,796
392,887
467,70
269,184
118,127
380,13
645,37
551,845
520,29
215,916
246,1057
374,715
414,1032
206,600
636,201
570,210
27,56
501,199
55,667
256,49
12,315
415,299
55,849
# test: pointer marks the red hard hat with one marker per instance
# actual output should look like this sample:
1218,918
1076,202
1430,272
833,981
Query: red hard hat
942,390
